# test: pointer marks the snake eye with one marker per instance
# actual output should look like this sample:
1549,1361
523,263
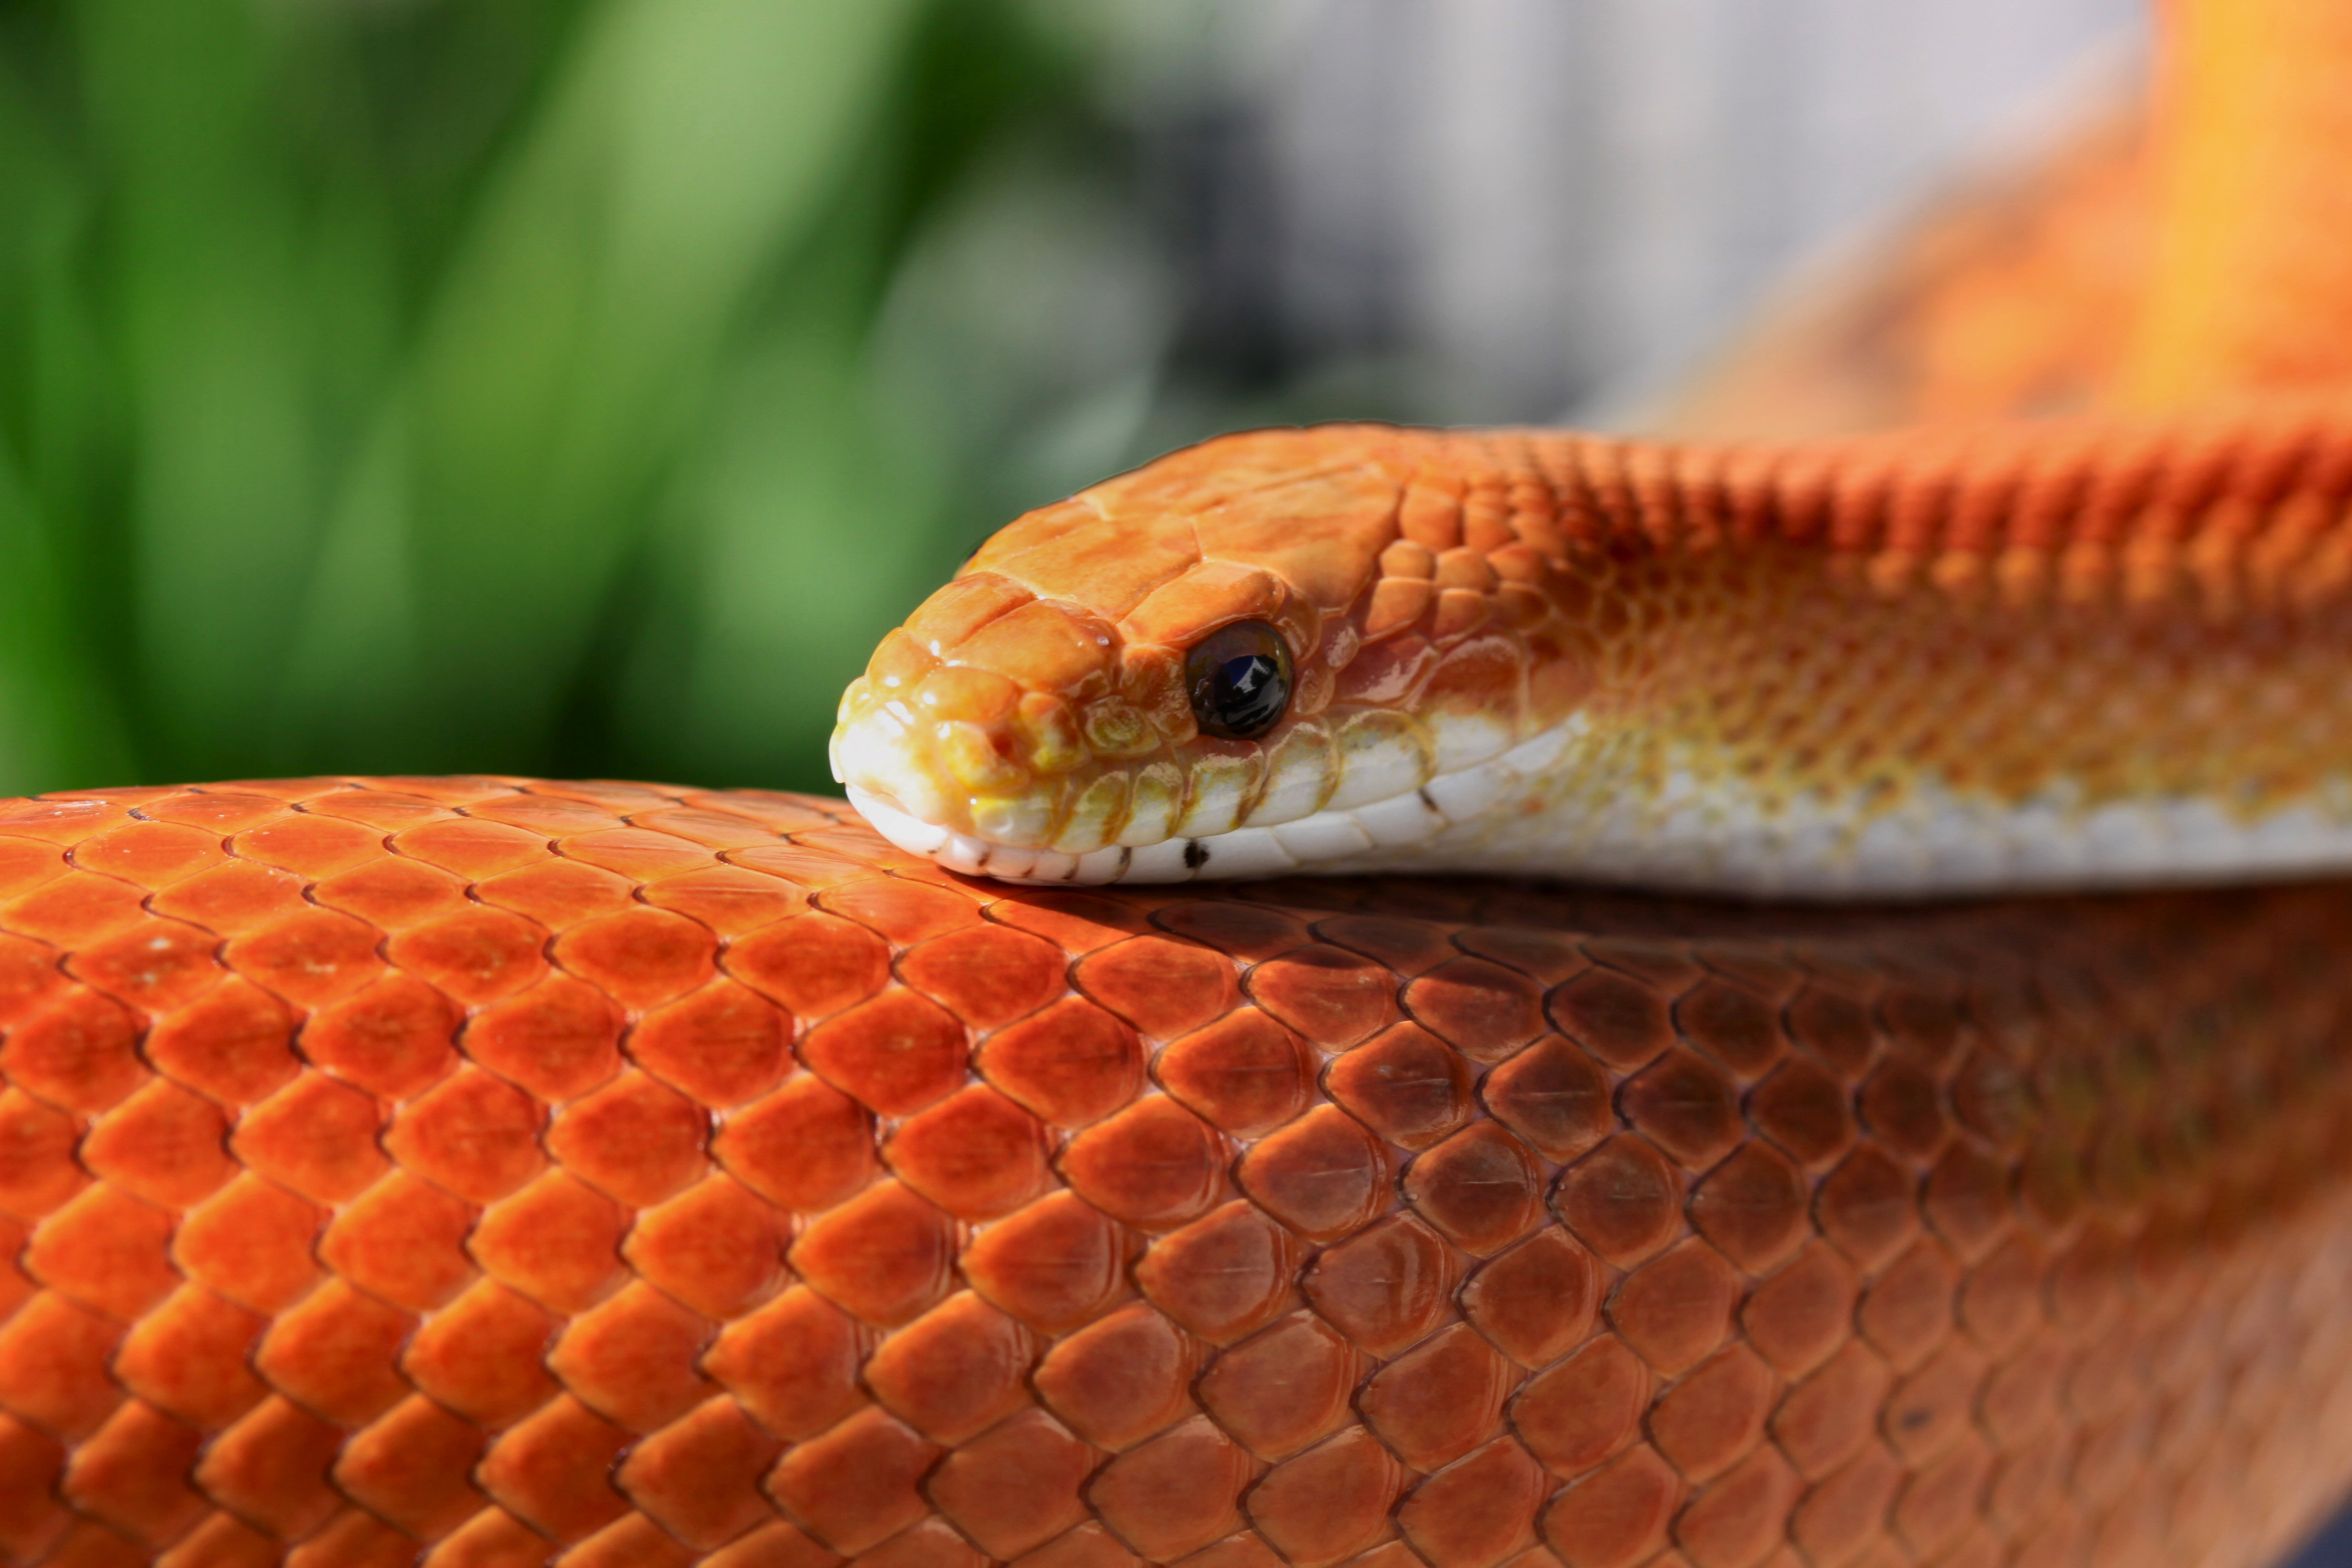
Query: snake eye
1239,677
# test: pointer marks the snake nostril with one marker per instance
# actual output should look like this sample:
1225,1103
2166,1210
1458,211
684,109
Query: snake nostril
1239,678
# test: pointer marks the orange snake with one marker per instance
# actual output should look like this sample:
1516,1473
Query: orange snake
482,1171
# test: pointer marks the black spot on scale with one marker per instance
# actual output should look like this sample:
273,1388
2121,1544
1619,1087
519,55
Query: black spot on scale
1427,802
1196,854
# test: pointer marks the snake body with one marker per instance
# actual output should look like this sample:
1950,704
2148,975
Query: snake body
481,1171
489,1170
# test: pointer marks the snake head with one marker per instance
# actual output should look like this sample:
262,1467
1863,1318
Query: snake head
1234,661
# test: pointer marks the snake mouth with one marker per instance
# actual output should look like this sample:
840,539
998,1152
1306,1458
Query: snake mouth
1386,832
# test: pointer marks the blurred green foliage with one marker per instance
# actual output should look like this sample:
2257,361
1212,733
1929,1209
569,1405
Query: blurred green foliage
527,385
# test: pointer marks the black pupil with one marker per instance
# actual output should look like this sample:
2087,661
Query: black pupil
1240,680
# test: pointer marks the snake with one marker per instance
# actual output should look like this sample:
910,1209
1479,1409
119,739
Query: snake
1384,997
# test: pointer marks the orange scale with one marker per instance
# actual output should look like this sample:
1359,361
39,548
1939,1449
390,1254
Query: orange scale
559,1039
394,1039
1247,932
224,1538
713,829
1077,922
1333,997
635,1138
388,811
1223,1276
133,1474
53,1359
337,1352
17,1286
65,819
1441,1399
1055,1264
270,1467
987,975
1323,1175
473,1134
1386,1288
80,1051
640,957
1154,1165
150,854
1576,1415
1405,1084
1285,1388
794,1363
217,811
483,1355
156,966
1244,1073
1483,1010
976,1154
807,1146
1616,1517
700,1479
1539,1300
729,899
252,1242
895,1054
557,893
413,1468
906,912
637,854
857,1484
1016,1488
885,1256
617,794
312,959
1619,1019
310,846
1407,948
780,813
77,908
233,897
723,1045
1479,1510
30,974
633,1359
493,1535
717,1247
1175,1493
403,1239
26,864
1801,1314
1675,1309
107,1250
1072,1064
1483,1188
808,867
1162,986
191,1357
165,1145
473,849
317,1136
816,964
546,816
558,1242
955,1371
1120,1380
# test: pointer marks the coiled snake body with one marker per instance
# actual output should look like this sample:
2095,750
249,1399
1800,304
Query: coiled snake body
485,1171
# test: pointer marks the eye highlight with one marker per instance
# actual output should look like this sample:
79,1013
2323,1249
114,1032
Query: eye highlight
1239,677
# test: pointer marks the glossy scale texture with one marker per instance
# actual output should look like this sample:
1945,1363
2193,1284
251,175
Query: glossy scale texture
481,1171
